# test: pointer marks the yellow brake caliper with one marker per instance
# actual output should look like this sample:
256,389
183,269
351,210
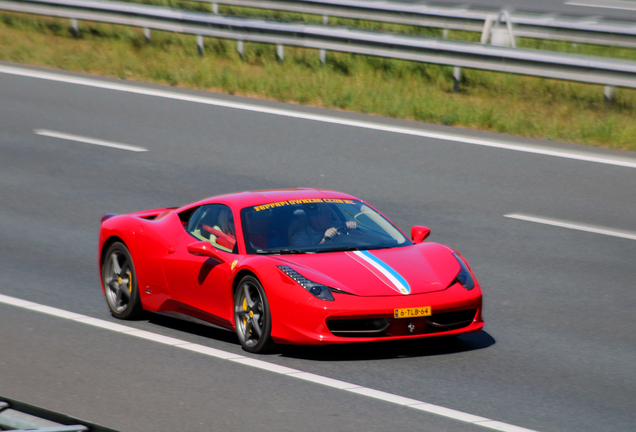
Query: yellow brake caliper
129,281
245,308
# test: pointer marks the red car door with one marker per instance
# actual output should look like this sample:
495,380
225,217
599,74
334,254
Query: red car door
201,284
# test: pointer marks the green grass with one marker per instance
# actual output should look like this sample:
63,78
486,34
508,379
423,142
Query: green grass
517,105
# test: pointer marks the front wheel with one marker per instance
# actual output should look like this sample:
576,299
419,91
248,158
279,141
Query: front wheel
120,282
252,317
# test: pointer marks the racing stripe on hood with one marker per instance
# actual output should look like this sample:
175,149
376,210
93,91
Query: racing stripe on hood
382,270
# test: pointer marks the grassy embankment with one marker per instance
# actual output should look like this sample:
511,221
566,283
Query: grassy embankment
524,106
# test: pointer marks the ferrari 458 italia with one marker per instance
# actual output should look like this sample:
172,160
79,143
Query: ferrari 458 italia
298,266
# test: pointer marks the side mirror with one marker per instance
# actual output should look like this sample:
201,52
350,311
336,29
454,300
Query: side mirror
204,248
419,233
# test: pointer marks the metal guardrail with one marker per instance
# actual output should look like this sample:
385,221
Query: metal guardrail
538,26
454,53
22,417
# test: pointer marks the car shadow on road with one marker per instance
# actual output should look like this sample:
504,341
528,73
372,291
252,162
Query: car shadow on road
390,349
341,352
193,328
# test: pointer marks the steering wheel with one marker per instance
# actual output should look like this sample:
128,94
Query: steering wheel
339,231
342,229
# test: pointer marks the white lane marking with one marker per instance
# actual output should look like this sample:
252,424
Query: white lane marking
329,382
282,370
167,340
87,140
447,412
212,352
16,302
575,226
55,311
389,397
265,365
502,144
492,424
615,4
104,324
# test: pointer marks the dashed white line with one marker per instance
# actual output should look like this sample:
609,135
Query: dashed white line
87,140
271,367
574,226
581,155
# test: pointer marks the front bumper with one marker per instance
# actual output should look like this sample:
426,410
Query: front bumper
300,318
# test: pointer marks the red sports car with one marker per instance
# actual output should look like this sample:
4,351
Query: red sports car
299,266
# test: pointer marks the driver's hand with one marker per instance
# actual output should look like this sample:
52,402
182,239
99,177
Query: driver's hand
352,225
330,233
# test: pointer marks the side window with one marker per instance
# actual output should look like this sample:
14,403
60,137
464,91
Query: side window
214,223
186,216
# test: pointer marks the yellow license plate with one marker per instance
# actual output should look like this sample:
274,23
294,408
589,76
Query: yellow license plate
413,312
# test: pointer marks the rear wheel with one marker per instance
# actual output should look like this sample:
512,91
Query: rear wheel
252,316
120,282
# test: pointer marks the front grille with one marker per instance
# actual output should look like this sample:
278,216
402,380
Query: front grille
358,327
446,321
384,327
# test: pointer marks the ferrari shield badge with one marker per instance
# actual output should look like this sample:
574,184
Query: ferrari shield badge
234,264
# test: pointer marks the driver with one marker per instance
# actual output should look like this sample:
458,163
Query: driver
317,229
223,231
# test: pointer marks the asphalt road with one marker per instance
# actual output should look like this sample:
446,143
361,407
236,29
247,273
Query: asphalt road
559,346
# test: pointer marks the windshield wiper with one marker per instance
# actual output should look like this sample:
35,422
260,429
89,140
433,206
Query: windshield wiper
281,252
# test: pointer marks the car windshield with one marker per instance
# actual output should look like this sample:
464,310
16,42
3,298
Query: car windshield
317,225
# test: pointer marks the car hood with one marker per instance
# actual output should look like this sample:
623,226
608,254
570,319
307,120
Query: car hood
407,270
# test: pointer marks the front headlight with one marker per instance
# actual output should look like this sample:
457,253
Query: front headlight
318,290
464,277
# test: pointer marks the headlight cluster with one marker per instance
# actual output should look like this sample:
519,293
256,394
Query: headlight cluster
464,277
318,290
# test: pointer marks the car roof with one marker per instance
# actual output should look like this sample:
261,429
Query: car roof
253,198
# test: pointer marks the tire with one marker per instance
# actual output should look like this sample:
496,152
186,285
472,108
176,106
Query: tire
252,317
120,283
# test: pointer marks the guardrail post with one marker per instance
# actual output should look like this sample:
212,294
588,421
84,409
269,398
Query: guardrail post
323,56
457,74
147,34
499,36
608,92
325,19
279,52
215,8
445,34
239,48
200,44
509,25
485,34
74,28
